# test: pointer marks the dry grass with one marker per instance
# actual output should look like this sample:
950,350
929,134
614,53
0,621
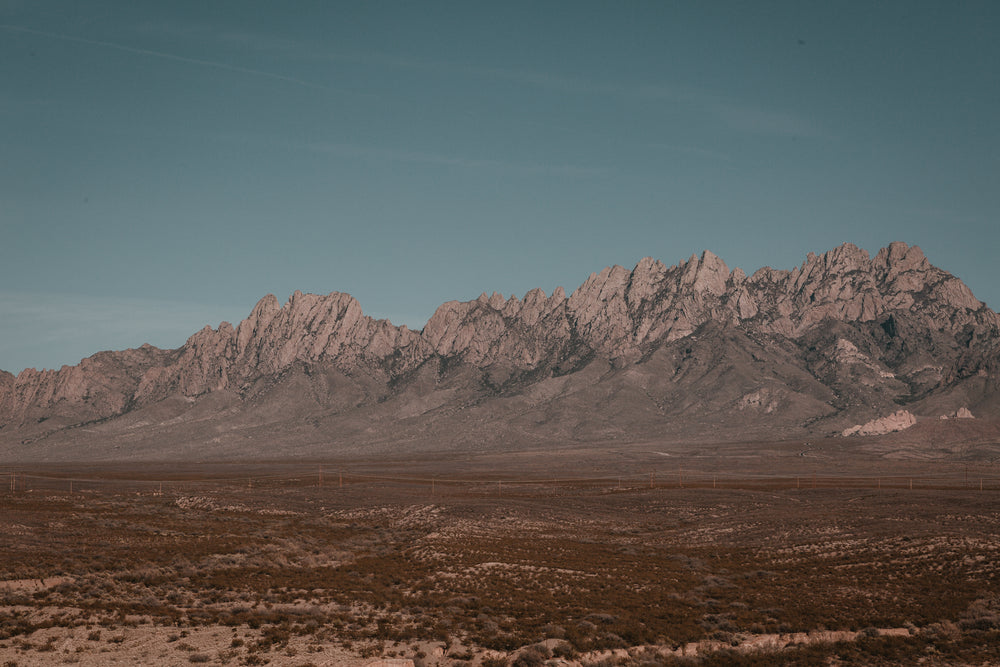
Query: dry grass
287,572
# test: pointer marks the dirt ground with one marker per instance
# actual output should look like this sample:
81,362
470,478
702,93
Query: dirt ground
777,553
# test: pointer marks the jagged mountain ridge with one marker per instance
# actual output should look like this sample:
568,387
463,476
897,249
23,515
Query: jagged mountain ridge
628,354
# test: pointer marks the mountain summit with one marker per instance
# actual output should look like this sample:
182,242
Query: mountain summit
690,351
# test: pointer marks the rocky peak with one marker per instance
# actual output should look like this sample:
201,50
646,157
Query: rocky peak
616,314
493,329
646,279
257,321
898,258
308,328
707,274
712,275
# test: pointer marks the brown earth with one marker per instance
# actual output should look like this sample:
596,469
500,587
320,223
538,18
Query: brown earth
827,552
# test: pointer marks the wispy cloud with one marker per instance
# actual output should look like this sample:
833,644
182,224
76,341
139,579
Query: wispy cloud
732,113
377,154
754,120
393,155
696,151
534,78
206,33
163,55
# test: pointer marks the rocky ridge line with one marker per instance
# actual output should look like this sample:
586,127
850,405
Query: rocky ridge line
615,314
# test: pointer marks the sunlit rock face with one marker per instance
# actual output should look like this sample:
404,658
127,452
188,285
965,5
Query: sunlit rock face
897,421
838,342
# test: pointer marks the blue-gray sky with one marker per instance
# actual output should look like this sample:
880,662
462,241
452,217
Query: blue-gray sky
166,164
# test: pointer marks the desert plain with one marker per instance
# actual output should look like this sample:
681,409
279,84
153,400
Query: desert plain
828,552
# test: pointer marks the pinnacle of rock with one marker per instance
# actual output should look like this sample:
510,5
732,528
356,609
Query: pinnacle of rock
858,330
712,275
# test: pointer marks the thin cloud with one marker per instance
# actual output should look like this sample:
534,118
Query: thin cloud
393,155
533,78
732,113
207,33
762,121
382,154
174,57
694,150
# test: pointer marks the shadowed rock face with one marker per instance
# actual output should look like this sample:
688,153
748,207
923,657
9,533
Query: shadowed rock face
840,340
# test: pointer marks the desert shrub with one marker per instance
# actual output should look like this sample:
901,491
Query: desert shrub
610,661
944,630
531,656
611,640
564,650
501,642
371,650
553,631
605,619
982,614
723,636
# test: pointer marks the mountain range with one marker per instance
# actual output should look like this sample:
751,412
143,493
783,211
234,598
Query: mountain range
694,352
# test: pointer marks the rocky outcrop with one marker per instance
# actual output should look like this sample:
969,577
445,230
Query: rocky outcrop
869,331
619,312
897,421
961,413
493,329
309,328
99,386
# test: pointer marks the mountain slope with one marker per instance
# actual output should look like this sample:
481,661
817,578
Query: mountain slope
689,351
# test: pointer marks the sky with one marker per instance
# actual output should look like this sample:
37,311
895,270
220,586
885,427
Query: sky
167,164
